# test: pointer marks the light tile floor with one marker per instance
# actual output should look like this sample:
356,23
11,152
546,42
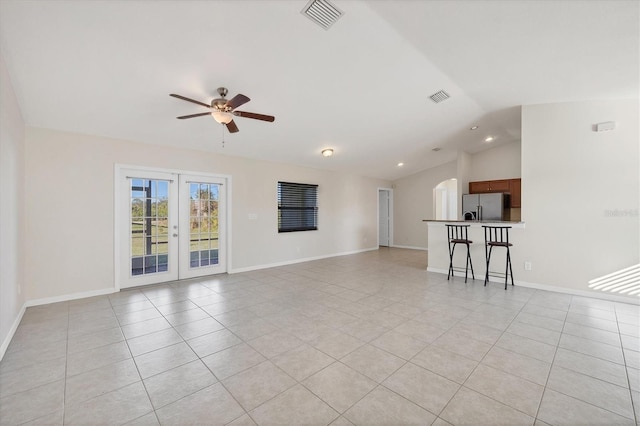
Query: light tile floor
365,339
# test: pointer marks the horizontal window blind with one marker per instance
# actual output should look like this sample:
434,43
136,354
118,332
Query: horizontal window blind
297,207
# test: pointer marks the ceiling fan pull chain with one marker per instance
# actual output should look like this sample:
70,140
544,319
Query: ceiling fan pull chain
222,125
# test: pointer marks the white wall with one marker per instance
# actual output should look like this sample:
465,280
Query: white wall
413,202
11,209
463,170
581,190
446,200
71,176
500,162
571,177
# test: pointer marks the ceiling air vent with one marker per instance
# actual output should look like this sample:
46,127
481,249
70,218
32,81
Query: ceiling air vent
322,13
439,96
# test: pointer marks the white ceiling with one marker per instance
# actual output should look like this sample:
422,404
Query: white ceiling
362,87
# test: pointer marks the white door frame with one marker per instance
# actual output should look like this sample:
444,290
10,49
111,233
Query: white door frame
123,210
390,193
118,196
184,268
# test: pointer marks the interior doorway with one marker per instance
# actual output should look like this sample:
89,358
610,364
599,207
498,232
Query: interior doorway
445,200
385,217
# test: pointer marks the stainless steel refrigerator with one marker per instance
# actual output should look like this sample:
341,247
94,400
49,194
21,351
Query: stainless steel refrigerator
494,206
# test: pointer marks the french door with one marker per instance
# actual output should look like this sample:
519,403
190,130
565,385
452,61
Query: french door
172,226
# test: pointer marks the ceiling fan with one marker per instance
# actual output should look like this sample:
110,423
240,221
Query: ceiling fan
223,110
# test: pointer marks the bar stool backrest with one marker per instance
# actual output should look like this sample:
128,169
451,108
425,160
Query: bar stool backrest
496,234
457,232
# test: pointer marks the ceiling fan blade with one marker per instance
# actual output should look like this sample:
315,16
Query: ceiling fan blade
253,115
190,100
182,117
231,127
237,100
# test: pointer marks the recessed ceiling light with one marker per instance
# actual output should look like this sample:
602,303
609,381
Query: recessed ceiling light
488,139
473,128
400,164
327,152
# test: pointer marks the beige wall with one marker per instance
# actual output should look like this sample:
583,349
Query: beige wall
11,210
500,162
72,175
572,177
413,195
413,202
574,180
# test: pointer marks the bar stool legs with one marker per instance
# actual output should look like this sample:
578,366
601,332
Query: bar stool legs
457,234
497,236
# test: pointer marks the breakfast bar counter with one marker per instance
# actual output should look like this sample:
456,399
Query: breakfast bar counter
438,248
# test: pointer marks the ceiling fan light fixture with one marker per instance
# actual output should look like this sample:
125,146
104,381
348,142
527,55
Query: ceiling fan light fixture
328,152
222,117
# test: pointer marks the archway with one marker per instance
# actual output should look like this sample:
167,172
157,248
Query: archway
445,200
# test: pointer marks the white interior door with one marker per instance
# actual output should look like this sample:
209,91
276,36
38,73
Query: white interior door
148,213
202,219
383,217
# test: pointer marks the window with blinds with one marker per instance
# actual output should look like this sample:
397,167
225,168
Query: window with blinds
297,207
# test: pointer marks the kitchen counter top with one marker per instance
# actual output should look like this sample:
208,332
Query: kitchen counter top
476,223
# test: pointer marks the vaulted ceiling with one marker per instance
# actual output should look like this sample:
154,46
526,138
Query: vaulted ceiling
362,87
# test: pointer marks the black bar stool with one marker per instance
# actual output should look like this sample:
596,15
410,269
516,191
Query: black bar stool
457,234
497,236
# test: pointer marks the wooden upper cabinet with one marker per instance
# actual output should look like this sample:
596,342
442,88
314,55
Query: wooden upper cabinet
489,186
512,186
516,192
479,187
499,185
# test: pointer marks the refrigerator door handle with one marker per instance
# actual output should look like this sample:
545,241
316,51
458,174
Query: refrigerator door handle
479,212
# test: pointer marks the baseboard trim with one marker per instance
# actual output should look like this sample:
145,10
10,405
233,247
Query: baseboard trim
294,261
12,331
410,247
558,289
68,297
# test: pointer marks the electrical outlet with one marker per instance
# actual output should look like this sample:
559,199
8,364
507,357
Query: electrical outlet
527,266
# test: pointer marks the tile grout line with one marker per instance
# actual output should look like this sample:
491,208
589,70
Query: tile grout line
301,292
181,365
626,369
126,341
483,357
581,400
66,366
544,389
198,357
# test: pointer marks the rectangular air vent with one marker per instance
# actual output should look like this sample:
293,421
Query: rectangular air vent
322,13
439,96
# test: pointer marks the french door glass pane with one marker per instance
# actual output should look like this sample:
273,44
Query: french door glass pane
149,226
203,223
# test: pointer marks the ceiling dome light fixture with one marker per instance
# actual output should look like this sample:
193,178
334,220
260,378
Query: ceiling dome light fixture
488,139
328,152
474,128
222,117
400,164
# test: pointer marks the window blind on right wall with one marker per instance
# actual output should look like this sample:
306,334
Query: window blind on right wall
297,207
